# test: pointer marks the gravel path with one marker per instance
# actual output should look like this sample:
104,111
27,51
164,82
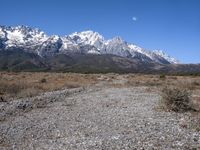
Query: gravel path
94,118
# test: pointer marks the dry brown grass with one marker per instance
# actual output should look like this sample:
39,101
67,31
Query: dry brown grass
157,82
196,102
190,82
31,84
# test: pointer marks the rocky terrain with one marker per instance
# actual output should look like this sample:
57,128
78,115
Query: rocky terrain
106,115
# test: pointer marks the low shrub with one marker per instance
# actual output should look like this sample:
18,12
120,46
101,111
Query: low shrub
43,80
162,76
177,99
196,83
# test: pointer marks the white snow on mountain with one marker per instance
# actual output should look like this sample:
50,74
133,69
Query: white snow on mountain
14,37
166,56
2,34
118,46
89,38
23,36
85,42
135,48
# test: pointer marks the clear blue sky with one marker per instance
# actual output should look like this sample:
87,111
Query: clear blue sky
171,25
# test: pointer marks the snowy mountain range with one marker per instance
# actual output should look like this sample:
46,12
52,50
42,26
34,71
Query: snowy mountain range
87,42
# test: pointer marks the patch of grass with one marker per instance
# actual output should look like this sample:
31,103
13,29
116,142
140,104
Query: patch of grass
177,99
29,84
12,89
173,77
24,84
28,92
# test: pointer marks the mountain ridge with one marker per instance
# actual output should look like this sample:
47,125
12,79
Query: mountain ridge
36,41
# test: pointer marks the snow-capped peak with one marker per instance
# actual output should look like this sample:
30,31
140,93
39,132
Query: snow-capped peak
118,39
135,48
88,38
166,56
89,34
2,33
22,36
54,38
36,41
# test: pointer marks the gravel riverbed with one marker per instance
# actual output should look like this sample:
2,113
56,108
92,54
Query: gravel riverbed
96,117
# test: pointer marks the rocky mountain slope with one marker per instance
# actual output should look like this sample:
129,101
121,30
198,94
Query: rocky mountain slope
26,49
86,42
